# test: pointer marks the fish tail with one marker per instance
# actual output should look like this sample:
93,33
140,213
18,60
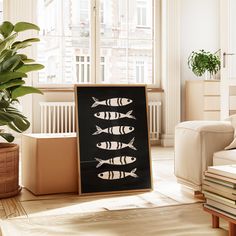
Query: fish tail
132,173
100,162
96,102
128,115
130,144
99,130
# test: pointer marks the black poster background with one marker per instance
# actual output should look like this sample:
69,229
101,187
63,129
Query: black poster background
89,180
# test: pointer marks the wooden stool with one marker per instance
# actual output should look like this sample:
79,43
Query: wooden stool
216,222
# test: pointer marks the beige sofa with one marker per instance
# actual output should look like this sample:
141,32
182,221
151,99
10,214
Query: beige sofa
196,142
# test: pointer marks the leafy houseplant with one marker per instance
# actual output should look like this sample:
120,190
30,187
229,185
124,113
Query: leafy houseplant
14,67
201,62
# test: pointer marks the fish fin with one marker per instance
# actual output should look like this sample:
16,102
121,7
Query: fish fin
132,173
99,130
130,144
100,162
96,102
128,115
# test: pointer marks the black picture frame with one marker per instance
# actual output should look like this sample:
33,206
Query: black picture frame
113,139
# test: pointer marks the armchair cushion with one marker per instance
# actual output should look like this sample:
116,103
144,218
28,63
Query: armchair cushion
232,120
224,157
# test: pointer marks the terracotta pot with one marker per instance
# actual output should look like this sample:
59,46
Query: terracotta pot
9,170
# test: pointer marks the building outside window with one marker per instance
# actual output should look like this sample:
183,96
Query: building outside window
83,69
140,72
142,13
77,42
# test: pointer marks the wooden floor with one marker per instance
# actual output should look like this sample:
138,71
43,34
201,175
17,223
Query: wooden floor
168,210
166,192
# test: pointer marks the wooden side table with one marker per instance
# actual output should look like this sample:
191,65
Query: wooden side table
216,222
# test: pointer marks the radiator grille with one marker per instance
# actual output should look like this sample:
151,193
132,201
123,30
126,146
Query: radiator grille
59,117
154,119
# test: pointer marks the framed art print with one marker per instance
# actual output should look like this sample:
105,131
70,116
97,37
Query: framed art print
113,138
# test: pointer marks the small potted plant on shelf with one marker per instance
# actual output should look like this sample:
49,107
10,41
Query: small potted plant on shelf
14,67
202,62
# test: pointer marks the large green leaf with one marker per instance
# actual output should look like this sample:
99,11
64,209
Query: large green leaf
22,56
31,40
10,64
8,137
23,90
20,124
5,44
28,60
4,104
6,76
2,123
25,59
25,43
22,26
12,83
30,67
14,119
14,111
21,63
7,117
7,53
20,45
6,28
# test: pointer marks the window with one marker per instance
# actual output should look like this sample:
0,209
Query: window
103,72
102,12
141,13
140,72
50,16
83,69
96,50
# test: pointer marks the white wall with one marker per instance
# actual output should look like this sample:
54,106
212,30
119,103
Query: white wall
200,29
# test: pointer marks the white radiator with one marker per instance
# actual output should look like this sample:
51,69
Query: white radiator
154,119
59,117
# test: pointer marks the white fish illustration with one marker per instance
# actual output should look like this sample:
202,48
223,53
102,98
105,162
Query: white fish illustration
111,175
112,115
113,145
112,102
115,130
121,160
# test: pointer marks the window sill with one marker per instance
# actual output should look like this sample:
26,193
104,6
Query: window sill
70,88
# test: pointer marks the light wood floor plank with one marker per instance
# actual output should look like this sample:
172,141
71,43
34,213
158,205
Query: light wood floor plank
13,208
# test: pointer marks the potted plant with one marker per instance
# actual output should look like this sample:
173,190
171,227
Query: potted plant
203,62
14,67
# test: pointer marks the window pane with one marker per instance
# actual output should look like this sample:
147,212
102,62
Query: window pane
66,40
65,36
121,46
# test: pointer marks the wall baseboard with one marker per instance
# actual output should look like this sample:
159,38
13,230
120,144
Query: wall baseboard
167,140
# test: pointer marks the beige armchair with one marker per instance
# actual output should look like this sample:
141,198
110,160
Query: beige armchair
195,144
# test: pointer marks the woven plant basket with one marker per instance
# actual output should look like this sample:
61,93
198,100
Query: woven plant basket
9,170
